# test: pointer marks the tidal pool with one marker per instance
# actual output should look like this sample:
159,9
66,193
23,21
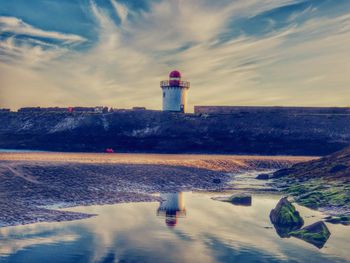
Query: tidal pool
185,227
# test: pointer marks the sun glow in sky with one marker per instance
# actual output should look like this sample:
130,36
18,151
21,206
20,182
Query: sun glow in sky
234,52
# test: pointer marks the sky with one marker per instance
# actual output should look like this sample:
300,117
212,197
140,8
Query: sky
115,52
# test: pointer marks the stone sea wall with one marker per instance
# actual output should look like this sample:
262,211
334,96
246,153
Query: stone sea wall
242,132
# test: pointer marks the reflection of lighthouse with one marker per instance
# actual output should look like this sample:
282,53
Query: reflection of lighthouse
172,207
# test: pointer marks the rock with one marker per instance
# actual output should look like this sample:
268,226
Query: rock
217,181
285,215
316,234
344,220
282,173
245,200
283,231
263,177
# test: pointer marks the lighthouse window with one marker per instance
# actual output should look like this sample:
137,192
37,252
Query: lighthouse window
163,94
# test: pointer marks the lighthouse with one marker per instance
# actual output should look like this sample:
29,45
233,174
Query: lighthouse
174,92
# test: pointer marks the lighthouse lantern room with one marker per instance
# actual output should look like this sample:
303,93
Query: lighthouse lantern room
175,92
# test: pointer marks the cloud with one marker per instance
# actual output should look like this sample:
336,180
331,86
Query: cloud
18,27
28,52
121,10
124,67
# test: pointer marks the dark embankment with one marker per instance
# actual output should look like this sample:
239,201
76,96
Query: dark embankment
322,183
247,132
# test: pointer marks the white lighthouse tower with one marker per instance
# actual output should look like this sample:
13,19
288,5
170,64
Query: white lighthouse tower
175,92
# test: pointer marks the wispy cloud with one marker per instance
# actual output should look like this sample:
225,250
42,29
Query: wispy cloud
18,27
132,55
121,10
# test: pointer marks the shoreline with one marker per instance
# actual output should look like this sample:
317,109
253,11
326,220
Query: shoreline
29,182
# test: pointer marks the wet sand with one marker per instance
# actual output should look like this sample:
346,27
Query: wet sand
227,163
31,184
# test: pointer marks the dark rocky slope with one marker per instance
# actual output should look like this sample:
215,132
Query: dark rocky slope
269,133
321,183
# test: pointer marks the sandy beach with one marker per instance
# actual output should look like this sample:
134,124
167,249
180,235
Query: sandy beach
31,184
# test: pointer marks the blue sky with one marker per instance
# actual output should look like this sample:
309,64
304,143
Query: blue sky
234,52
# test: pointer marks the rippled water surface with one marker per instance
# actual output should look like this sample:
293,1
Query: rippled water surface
186,227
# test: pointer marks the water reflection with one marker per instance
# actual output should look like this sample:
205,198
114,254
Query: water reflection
132,232
283,231
313,234
172,207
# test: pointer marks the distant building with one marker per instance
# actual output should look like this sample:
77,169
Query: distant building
175,93
54,109
29,109
138,108
98,109
39,109
84,109
268,109
101,109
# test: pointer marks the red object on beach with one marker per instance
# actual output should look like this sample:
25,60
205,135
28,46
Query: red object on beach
109,150
70,109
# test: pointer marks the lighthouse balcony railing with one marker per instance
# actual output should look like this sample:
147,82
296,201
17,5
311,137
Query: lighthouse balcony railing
175,83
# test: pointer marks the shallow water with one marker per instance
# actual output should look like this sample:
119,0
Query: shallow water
186,227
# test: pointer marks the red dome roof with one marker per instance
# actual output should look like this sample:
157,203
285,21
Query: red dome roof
175,74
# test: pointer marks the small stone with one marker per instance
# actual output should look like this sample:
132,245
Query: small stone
244,200
263,177
217,181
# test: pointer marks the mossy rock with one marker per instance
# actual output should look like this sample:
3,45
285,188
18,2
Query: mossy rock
284,231
334,195
285,215
344,220
316,234
298,189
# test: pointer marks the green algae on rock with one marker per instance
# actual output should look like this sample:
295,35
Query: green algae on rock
316,234
343,219
322,183
285,215
320,193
